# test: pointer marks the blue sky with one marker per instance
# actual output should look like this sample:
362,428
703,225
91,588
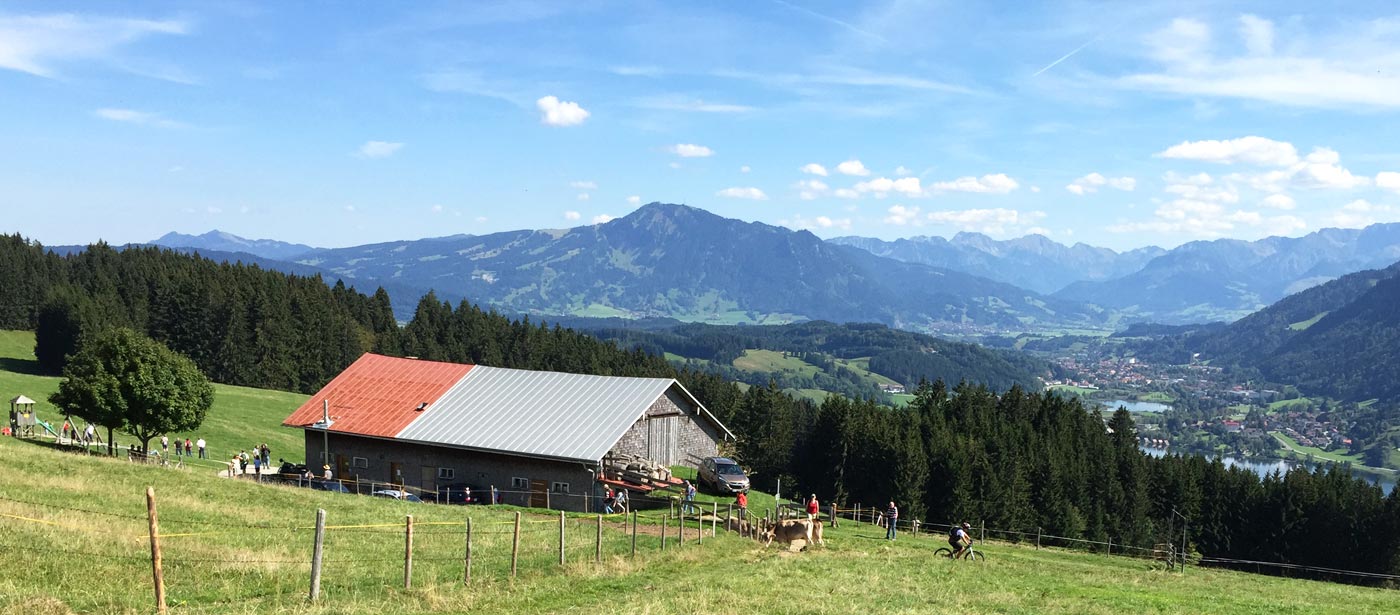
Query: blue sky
1110,124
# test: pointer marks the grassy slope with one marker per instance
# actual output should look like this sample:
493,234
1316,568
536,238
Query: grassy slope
241,417
857,572
1318,453
773,361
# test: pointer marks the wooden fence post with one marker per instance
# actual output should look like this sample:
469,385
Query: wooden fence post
729,517
598,543
467,565
157,574
561,538
1110,545
714,516
680,531
1037,537
857,517
408,552
982,533
317,548
700,527
663,531
515,546
634,533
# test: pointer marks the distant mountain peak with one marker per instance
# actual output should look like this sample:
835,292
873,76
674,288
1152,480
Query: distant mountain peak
223,241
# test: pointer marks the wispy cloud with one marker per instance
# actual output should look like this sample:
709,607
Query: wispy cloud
690,150
832,20
693,105
1066,56
1340,69
740,192
132,116
378,149
39,44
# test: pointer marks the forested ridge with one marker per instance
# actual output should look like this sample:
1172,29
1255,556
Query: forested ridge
1017,460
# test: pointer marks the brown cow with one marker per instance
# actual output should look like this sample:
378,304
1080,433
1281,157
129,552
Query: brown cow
792,530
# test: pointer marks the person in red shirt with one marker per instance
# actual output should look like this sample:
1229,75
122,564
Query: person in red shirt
742,501
813,507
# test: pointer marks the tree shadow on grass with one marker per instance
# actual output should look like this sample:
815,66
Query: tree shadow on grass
29,367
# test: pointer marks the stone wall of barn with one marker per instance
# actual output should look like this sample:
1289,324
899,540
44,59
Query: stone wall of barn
523,481
671,432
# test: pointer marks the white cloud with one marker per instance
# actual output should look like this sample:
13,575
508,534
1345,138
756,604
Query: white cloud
1278,201
350,208
1210,219
132,116
998,221
481,219
693,105
820,222
1258,35
852,167
37,44
603,219
437,209
813,168
583,185
1359,214
902,171
1035,188
743,193
882,186
1199,179
379,149
846,193
1388,180
744,169
690,150
583,196
572,215
214,210
997,183
1321,169
900,215
1198,192
1350,65
634,200
809,189
555,112
1250,150
1093,181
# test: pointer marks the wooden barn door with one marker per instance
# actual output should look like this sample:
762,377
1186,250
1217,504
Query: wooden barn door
539,494
663,434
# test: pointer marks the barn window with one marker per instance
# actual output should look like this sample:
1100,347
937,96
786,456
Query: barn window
446,474
559,487
520,484
359,462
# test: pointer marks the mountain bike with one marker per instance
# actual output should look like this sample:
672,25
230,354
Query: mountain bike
971,554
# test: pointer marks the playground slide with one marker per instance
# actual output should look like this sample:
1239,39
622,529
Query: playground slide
47,427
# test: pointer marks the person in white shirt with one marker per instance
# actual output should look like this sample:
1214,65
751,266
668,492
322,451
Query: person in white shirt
200,444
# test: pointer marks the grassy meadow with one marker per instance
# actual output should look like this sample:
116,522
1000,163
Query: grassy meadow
233,546
240,418
76,541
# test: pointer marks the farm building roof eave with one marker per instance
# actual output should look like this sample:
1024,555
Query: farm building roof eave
728,435
461,448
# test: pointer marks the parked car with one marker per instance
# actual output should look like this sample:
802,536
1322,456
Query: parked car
403,496
461,493
723,475
328,485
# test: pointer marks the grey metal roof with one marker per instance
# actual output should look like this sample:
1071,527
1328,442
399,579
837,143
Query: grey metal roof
544,414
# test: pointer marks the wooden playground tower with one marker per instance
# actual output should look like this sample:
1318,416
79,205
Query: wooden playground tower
22,417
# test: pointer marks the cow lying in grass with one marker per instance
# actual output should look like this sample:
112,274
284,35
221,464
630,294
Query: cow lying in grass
791,530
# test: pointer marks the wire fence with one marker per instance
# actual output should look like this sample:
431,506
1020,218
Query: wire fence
202,559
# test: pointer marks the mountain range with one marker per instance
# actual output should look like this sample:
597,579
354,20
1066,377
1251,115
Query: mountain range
682,262
1034,261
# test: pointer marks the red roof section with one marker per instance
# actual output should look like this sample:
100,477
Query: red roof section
377,395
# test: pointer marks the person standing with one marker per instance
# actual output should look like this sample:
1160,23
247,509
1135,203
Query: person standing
243,461
891,519
266,455
620,501
165,447
741,500
813,507
200,444
257,467
326,472
189,447
689,502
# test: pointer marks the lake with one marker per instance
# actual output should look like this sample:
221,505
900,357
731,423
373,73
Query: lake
1136,406
1265,468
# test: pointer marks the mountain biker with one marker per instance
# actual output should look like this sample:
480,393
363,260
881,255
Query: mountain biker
960,540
